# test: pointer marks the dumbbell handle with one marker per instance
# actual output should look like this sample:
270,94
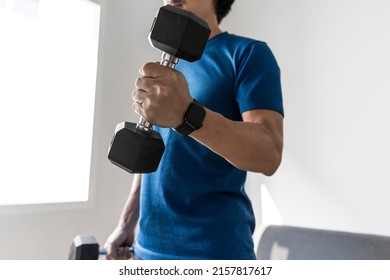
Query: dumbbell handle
104,251
167,60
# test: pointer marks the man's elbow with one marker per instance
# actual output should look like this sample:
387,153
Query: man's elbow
273,164
271,169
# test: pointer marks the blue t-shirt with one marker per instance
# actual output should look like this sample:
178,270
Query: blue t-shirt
195,206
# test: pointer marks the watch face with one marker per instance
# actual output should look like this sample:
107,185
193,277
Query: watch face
195,115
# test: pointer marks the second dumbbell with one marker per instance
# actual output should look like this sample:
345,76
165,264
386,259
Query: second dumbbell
86,247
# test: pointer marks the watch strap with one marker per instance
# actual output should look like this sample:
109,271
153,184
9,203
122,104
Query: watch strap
195,110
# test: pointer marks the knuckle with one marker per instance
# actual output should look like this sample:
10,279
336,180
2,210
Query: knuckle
135,107
138,82
135,95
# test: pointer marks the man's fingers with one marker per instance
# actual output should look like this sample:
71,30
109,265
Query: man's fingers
151,72
139,110
123,253
111,252
117,253
141,97
146,84
136,95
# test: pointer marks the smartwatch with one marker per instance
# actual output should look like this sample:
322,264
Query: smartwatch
193,119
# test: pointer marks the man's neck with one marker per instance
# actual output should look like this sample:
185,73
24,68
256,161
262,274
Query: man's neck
214,27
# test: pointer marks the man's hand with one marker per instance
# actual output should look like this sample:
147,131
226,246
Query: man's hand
161,96
115,242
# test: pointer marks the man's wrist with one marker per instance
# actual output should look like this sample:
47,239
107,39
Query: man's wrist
193,119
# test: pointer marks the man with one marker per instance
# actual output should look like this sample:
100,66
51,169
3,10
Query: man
194,206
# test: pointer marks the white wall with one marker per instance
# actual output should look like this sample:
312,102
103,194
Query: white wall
46,231
335,65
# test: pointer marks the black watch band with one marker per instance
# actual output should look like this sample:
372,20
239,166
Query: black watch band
193,119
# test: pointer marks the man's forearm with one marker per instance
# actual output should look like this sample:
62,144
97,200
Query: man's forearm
130,213
253,145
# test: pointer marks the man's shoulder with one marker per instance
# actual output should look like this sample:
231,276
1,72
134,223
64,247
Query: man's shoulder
243,40
240,44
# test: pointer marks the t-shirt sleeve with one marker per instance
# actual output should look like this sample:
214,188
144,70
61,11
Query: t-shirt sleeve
258,84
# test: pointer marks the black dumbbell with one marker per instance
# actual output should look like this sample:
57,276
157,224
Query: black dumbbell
180,34
86,247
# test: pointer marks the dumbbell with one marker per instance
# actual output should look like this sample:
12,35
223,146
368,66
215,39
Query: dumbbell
86,247
180,34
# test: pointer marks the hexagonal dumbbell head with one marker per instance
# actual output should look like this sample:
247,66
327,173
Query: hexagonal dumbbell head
179,33
135,151
84,247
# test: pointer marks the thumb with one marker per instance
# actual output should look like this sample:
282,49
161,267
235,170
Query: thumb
152,70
